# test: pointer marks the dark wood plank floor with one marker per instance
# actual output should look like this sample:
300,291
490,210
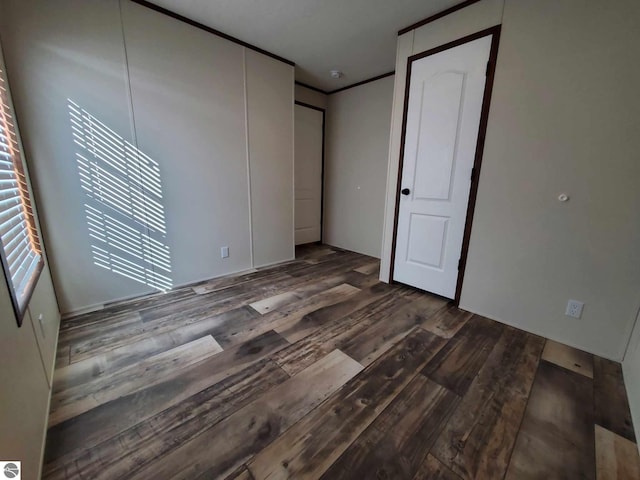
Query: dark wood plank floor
315,369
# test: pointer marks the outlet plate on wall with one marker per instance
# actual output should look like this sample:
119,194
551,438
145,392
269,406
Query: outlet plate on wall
574,309
224,252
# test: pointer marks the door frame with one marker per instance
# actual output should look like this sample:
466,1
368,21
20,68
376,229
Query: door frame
324,115
494,32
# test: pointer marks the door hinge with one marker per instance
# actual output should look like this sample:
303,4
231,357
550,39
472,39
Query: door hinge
460,263
473,174
486,72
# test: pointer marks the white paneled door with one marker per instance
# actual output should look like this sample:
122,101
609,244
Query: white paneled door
308,174
443,118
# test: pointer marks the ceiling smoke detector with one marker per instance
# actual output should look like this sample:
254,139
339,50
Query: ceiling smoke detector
336,74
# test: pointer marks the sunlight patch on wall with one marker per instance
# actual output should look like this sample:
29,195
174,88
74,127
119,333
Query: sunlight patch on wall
124,210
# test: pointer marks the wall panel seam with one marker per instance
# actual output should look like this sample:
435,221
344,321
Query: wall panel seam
248,152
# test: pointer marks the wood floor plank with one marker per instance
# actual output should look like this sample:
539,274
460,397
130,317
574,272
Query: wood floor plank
396,443
227,445
309,295
362,281
106,317
272,303
569,358
316,261
309,448
92,330
369,268
326,256
611,405
380,336
413,372
110,361
556,439
221,300
247,277
341,261
194,304
289,314
457,364
478,438
313,251
302,291
616,457
319,256
62,357
280,279
235,280
93,427
183,313
433,469
82,398
110,313
241,474
297,328
164,320
447,321
138,446
340,331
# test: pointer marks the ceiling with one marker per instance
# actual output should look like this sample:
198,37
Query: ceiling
357,37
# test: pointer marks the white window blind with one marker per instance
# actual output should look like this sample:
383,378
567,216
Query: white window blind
21,250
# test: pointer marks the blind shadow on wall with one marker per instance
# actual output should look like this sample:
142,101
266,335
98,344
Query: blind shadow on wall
125,215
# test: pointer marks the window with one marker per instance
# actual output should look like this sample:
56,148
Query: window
21,252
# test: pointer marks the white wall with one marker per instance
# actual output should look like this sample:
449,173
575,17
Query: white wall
190,118
270,120
27,359
53,57
563,119
190,100
311,97
43,304
24,403
357,143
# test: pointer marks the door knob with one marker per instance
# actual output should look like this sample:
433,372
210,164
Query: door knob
405,191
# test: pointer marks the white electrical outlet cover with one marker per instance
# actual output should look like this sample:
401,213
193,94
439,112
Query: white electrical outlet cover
574,308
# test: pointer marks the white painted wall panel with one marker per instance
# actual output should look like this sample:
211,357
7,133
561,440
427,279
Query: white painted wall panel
270,121
358,123
187,166
43,303
27,358
187,89
311,97
25,394
560,125
54,57
474,18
